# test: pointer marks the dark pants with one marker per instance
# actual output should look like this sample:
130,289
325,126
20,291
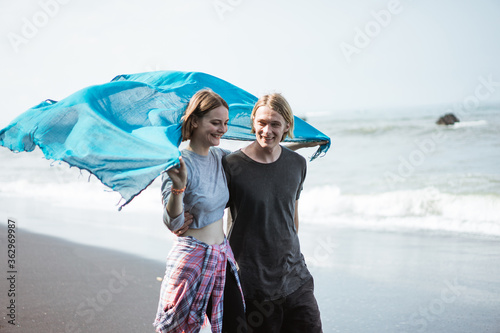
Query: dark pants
297,312
233,320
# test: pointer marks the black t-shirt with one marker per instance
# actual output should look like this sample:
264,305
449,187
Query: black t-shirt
263,237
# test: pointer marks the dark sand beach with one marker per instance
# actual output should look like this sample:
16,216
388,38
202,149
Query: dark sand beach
365,281
395,282
67,287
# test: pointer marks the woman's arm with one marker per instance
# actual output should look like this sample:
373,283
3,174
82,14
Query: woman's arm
173,216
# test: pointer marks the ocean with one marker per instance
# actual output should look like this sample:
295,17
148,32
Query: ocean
400,171
391,171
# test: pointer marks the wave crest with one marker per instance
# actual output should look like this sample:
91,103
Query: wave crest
424,209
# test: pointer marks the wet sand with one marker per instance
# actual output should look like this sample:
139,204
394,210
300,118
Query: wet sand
67,287
365,281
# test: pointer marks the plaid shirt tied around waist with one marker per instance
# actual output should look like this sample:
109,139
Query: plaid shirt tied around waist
195,272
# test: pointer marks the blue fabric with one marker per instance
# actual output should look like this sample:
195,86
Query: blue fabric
127,131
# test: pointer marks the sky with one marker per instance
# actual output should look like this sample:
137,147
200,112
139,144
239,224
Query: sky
324,56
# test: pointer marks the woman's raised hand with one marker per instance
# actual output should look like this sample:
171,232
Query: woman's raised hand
178,175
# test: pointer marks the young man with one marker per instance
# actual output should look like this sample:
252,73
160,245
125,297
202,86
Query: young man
265,180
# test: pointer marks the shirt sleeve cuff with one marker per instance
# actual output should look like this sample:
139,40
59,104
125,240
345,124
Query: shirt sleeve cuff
173,223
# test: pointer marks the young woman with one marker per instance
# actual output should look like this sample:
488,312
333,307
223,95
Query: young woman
201,272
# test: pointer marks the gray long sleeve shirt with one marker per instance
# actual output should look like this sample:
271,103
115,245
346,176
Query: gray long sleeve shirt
206,193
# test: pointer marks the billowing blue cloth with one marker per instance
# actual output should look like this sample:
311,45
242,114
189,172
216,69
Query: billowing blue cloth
127,131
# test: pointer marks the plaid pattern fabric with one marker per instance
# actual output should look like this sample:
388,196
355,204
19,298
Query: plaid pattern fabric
195,272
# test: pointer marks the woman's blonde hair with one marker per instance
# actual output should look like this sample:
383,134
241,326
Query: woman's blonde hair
278,103
200,104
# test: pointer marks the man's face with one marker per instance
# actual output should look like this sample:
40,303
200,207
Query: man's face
269,127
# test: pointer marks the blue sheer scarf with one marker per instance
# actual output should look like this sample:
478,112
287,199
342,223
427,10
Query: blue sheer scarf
127,131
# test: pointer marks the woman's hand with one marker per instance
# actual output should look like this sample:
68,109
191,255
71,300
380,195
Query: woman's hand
179,180
178,175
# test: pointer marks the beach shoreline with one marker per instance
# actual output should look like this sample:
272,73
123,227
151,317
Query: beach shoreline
365,281
384,281
60,286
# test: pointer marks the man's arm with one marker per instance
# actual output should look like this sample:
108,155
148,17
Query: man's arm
296,218
298,145
188,220
229,222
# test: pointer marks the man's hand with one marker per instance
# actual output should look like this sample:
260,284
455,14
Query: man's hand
188,220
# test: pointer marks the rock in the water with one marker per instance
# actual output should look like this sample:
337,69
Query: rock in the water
447,119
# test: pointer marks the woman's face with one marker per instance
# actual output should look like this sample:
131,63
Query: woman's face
209,129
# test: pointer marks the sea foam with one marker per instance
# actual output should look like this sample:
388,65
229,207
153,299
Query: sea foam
422,209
